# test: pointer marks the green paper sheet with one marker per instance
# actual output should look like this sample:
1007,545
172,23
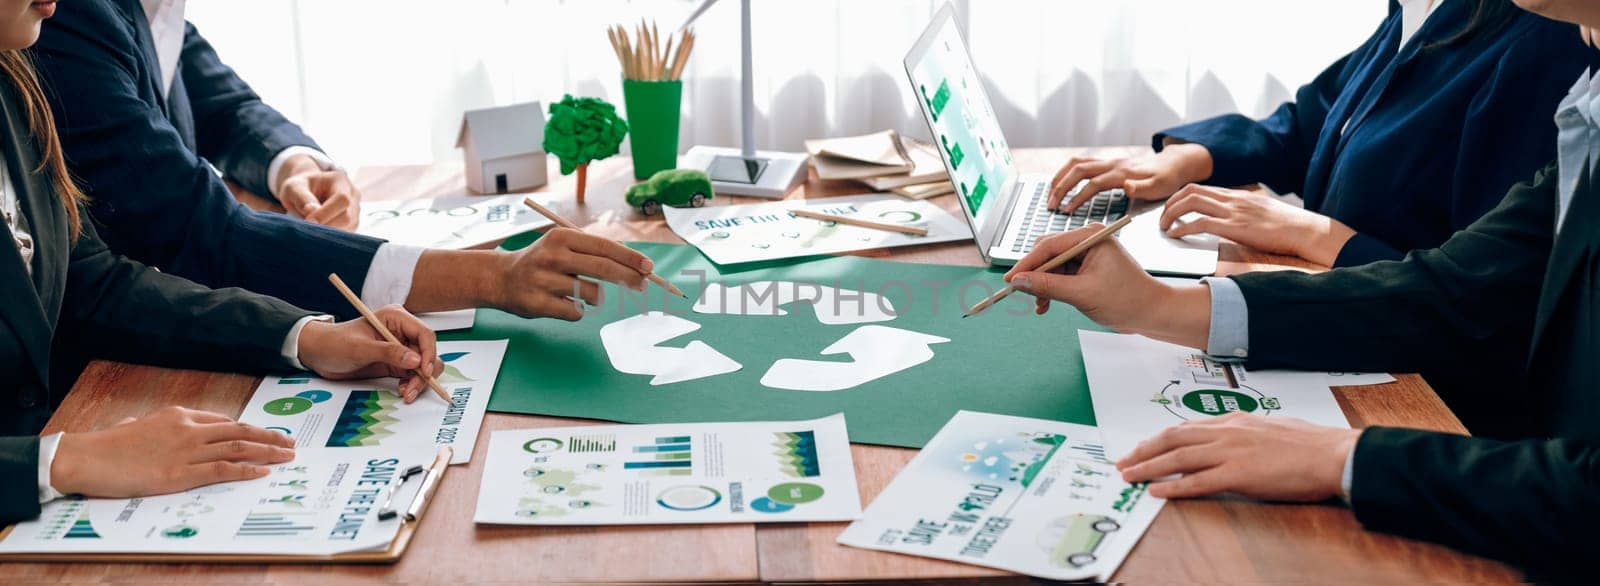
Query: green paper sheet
1005,361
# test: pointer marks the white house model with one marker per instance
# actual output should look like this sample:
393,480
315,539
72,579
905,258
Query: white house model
504,148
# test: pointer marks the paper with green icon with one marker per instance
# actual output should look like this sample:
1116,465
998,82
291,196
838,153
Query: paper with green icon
755,472
735,234
317,412
1026,495
1141,386
325,502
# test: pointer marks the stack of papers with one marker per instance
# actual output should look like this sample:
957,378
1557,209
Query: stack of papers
883,161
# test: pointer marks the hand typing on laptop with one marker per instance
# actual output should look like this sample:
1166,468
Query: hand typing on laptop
1150,177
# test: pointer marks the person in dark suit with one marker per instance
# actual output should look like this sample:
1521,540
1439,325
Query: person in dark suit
145,109
1394,147
1528,271
57,276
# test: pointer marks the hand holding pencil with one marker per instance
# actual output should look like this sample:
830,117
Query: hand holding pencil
387,342
1095,245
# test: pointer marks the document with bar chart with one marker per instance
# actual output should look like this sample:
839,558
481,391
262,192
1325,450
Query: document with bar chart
325,502
749,472
317,412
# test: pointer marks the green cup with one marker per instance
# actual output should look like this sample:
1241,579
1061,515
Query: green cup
653,114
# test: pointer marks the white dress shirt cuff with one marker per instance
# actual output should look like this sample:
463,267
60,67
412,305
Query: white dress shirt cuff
47,457
291,342
1348,477
389,277
276,166
1230,320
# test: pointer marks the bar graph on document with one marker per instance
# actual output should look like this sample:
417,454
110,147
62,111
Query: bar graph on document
667,456
276,525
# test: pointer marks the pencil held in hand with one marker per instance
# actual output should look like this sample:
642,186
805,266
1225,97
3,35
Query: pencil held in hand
377,324
1054,263
551,215
645,57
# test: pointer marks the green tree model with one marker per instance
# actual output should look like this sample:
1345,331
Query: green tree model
581,131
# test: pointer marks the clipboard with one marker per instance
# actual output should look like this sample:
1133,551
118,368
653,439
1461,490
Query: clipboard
397,548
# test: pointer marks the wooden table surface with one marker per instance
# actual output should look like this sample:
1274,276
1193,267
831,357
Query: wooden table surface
1210,540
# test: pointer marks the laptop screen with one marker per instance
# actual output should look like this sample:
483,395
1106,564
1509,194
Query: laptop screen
964,126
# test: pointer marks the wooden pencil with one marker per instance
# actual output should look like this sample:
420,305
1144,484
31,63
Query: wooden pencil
912,230
372,320
565,223
1054,263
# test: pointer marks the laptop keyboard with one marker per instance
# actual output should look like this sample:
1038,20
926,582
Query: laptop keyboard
1107,206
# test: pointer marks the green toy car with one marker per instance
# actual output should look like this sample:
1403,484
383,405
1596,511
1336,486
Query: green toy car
673,187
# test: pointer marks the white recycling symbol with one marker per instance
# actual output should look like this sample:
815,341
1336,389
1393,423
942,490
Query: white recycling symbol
634,344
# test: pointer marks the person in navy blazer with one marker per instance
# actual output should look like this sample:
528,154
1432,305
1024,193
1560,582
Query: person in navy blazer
1393,148
145,157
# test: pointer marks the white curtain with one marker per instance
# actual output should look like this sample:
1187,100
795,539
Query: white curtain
385,81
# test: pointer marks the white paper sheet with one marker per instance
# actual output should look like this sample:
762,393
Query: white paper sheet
1026,495
1141,386
735,234
324,502
1351,379
455,222
634,346
444,321
876,352
318,412
756,472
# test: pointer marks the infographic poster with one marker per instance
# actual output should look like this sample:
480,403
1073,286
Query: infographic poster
1031,496
766,231
325,502
348,414
773,472
455,222
1141,386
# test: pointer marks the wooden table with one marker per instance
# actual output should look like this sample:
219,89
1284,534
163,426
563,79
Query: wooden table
1210,540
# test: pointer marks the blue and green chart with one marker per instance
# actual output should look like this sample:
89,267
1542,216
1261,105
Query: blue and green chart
775,472
350,414
319,504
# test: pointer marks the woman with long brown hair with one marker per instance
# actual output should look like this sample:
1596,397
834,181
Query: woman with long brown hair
60,285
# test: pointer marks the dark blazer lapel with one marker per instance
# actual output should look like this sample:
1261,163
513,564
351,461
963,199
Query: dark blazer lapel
133,12
1437,26
1572,240
28,314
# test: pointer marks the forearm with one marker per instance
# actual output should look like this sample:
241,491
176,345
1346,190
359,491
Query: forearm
457,279
1183,316
1194,160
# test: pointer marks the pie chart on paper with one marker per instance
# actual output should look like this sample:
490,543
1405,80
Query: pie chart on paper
689,497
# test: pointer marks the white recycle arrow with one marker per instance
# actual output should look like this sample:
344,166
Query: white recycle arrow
633,346
879,351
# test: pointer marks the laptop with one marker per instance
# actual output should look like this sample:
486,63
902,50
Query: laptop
1006,209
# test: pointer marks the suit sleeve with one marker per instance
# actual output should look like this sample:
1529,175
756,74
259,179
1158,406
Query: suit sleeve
123,310
1413,315
156,201
19,465
234,129
1498,115
1535,503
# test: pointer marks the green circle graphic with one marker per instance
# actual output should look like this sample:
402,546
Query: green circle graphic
794,493
287,406
543,445
1219,402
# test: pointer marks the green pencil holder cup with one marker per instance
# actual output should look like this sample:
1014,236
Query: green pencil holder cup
653,113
